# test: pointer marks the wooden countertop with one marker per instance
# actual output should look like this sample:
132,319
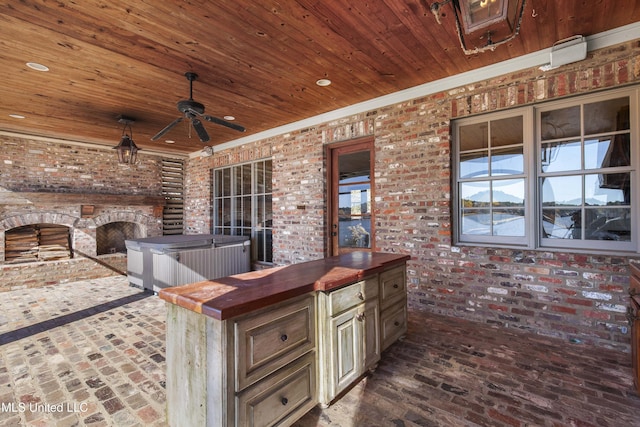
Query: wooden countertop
234,295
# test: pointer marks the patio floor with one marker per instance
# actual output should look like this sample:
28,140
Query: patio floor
91,353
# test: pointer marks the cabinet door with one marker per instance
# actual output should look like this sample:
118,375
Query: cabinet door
355,336
346,331
370,327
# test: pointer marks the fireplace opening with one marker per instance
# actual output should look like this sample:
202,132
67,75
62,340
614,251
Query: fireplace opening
37,242
110,237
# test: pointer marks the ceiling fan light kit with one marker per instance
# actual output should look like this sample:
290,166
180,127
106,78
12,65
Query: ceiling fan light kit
194,111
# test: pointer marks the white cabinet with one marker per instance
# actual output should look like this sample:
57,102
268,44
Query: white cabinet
349,335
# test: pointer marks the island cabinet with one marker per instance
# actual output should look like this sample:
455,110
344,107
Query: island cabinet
263,348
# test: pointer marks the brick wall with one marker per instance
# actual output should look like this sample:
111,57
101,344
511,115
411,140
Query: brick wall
28,165
581,298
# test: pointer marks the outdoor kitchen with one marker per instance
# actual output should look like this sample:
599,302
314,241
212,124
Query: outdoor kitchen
311,214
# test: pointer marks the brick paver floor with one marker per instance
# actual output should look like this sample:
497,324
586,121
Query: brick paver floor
83,353
91,353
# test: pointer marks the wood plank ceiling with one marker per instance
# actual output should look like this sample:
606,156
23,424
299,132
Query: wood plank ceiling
257,60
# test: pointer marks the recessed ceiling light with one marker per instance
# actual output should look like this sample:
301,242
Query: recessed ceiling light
37,67
229,118
17,116
323,82
169,141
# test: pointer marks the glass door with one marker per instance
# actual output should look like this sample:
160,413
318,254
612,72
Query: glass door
351,199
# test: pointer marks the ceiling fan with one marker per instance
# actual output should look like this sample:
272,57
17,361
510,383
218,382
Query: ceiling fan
194,111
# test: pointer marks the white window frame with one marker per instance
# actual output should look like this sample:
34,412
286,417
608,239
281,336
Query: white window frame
533,238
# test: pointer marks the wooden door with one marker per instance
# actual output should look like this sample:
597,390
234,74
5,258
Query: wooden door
350,202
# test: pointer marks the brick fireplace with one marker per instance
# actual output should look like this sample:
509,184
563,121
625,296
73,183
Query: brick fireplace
97,226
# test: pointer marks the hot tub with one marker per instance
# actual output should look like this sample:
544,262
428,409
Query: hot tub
154,263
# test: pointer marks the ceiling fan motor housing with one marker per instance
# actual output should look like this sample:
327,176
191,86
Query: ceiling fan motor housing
189,105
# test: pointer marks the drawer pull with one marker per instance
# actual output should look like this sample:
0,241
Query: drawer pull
396,323
284,401
360,317
360,296
396,286
284,337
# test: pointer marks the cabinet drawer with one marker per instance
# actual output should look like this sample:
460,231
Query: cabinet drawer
272,339
352,295
393,323
280,399
392,286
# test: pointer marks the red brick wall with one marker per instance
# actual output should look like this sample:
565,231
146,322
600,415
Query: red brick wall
29,165
581,298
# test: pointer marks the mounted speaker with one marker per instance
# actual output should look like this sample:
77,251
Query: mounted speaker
569,50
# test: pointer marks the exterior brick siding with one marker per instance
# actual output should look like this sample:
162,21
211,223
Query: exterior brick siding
579,297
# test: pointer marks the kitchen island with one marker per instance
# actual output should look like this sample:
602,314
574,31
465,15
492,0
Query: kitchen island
264,347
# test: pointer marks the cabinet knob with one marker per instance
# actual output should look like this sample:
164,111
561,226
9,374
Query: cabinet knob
284,337
396,286
360,296
360,317
396,323
284,401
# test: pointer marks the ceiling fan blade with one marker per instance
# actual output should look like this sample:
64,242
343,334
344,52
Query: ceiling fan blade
167,128
224,123
200,130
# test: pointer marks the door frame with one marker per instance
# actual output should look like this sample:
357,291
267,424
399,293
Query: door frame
332,151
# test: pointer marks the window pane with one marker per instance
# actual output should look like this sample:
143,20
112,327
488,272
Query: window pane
474,137
506,131
607,189
268,222
260,177
354,199
606,116
562,123
246,212
474,164
608,224
217,180
562,191
475,194
219,212
507,193
561,156
355,233
476,221
246,179
607,152
562,223
267,176
236,187
508,222
226,182
354,167
507,161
